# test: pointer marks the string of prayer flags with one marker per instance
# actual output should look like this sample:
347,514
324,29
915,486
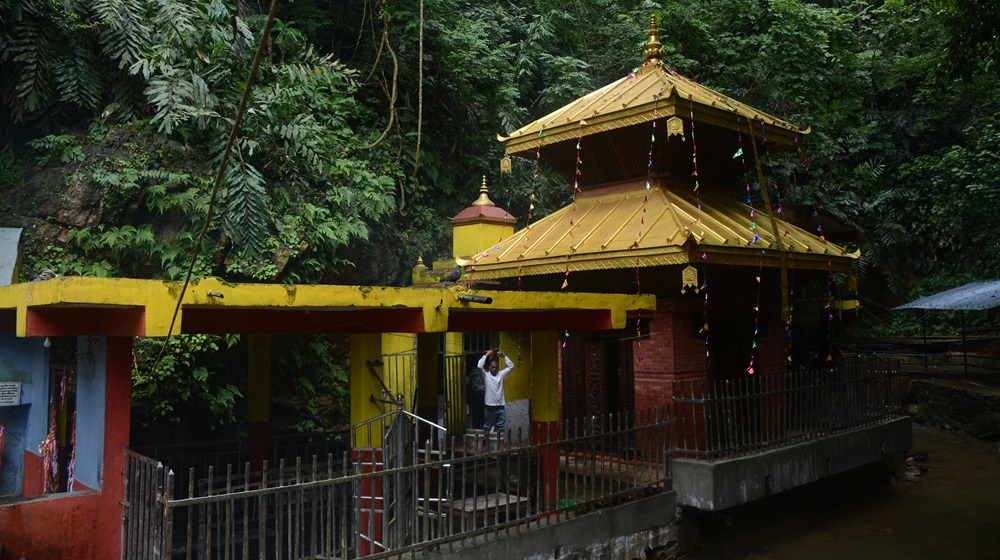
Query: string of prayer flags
746,175
704,328
694,161
770,166
756,316
638,336
694,152
576,190
534,175
531,200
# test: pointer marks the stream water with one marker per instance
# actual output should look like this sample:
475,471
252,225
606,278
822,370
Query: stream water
951,510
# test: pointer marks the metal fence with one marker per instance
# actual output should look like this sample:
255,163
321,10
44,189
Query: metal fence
735,417
193,459
947,357
461,493
428,491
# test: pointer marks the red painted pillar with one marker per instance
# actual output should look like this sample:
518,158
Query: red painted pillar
370,502
544,376
117,420
258,399
548,463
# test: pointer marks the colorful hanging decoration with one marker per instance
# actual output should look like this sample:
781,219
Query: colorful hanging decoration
770,166
786,296
576,190
756,317
704,328
531,204
645,197
694,153
788,320
49,450
756,237
701,232
828,306
71,467
534,175
638,336
746,176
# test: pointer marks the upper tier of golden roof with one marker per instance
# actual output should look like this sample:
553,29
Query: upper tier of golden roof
653,91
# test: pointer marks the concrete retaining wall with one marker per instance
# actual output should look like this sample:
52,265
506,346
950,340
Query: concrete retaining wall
636,530
717,485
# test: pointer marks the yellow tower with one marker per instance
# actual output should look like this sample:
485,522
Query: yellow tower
481,226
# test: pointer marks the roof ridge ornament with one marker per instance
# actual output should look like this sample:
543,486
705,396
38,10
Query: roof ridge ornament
654,49
484,196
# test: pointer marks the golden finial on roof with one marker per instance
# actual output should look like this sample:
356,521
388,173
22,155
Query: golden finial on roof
484,197
654,49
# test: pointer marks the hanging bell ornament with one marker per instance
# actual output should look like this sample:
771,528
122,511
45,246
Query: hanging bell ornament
675,127
689,279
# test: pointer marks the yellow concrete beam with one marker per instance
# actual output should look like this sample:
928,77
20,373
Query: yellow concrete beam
45,307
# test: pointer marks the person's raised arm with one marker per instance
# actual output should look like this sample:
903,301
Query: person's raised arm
482,361
509,368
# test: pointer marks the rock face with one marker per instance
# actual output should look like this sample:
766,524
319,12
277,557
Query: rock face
956,405
94,184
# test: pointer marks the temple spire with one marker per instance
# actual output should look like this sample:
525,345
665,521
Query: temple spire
654,49
484,197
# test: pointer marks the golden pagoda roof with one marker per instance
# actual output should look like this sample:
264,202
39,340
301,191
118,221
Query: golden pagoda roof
653,91
628,225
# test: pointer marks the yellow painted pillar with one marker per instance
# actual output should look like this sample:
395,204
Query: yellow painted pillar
428,377
399,367
545,409
455,404
365,349
258,398
545,376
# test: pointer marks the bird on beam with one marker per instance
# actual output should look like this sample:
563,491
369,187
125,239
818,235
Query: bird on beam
453,276
46,274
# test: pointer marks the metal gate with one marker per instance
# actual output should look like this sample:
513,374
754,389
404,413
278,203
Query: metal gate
387,507
145,535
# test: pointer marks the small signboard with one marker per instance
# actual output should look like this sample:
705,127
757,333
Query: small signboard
10,393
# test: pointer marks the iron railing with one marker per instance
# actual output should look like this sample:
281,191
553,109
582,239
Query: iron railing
746,415
333,507
431,492
195,458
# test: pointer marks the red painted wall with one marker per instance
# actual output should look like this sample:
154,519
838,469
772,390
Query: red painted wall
79,527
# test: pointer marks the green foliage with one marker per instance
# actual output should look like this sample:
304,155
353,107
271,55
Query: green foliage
62,148
356,150
315,379
194,374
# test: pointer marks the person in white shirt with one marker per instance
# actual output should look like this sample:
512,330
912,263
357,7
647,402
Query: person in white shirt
495,400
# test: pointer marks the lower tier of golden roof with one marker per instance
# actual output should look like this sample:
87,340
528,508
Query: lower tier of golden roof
667,224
